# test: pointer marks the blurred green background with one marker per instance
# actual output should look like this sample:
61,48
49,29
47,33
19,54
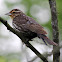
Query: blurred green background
11,48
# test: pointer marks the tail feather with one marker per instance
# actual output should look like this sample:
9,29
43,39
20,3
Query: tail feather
45,38
44,41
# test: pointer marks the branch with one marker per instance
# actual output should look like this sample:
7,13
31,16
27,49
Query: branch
56,55
20,35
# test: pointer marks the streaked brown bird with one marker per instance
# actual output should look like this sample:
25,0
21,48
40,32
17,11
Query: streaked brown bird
28,26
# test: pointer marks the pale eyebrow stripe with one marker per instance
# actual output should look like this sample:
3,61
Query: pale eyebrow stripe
15,11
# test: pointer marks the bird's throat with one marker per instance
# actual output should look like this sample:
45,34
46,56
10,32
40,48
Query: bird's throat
12,17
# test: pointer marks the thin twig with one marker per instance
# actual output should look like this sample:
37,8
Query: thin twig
33,59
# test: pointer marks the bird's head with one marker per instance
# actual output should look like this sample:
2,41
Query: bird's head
13,13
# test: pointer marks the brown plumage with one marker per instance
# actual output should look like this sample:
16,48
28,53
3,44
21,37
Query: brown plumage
28,26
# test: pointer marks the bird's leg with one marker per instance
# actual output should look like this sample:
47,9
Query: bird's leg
26,42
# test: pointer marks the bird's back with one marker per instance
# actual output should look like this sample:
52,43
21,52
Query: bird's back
25,23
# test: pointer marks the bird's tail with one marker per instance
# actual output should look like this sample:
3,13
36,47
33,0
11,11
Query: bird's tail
45,38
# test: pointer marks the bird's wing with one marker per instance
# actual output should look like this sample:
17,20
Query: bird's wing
35,27
27,23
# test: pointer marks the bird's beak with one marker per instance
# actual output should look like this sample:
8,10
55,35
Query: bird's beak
8,14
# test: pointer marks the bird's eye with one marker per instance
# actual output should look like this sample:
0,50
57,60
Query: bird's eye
13,12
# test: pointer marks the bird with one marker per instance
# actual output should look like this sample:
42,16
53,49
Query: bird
28,26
